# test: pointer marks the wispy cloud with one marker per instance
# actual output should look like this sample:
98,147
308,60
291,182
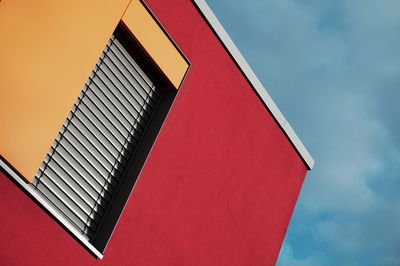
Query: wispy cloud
333,67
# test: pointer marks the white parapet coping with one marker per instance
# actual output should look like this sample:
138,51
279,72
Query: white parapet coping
254,81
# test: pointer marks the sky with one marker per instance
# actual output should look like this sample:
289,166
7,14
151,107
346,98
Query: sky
333,69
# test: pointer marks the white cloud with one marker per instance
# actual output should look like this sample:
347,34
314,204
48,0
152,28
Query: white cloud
287,258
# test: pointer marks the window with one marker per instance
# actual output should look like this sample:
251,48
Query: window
94,161
92,165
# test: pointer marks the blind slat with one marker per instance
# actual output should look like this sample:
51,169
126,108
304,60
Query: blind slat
86,161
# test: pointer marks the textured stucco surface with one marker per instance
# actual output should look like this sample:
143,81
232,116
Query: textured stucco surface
218,188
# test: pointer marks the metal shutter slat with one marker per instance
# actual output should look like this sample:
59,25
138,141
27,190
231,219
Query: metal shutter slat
84,166
133,65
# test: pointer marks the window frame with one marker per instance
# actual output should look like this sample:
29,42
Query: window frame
132,171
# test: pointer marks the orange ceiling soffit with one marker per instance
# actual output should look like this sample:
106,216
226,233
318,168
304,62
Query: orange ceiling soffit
156,43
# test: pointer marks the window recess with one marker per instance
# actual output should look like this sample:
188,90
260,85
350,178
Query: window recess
97,155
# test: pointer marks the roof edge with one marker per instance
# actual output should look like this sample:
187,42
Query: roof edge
254,81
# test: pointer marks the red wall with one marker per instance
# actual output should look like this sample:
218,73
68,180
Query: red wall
218,188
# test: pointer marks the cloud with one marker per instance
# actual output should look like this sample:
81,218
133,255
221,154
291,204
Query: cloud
287,258
333,68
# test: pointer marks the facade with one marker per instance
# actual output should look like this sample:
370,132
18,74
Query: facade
134,132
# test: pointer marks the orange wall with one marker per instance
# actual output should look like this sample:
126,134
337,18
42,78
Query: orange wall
47,51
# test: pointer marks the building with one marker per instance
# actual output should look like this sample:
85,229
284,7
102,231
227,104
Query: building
165,150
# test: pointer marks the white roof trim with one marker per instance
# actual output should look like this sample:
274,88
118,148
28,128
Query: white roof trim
254,81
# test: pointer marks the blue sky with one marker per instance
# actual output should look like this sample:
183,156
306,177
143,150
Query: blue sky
333,68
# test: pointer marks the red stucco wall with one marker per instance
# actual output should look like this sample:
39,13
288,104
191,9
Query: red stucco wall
218,188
